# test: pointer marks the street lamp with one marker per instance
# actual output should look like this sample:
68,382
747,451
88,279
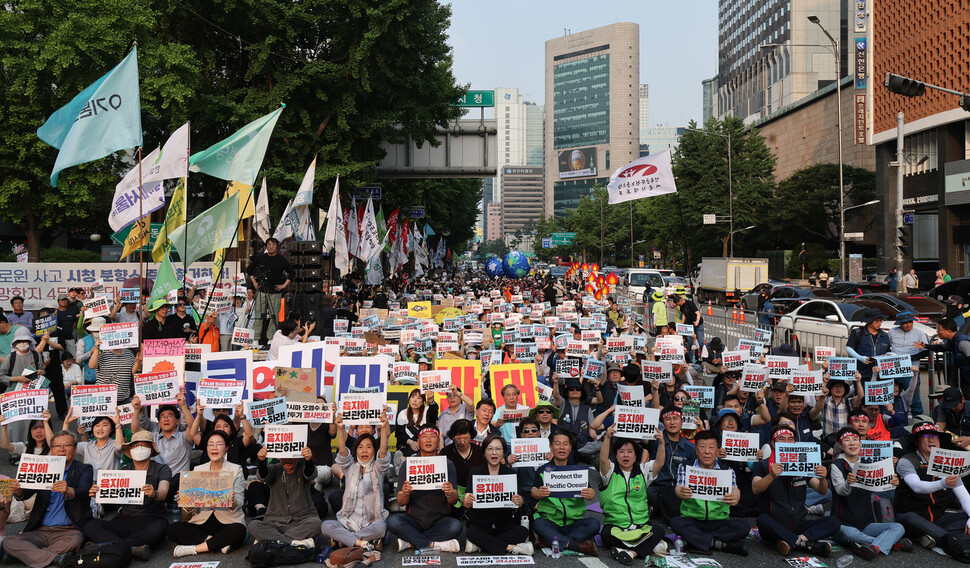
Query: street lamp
873,202
731,230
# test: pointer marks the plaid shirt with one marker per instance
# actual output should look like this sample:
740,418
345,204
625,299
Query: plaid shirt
835,416
682,476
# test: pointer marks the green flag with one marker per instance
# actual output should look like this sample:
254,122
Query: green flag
213,229
165,281
238,157
174,218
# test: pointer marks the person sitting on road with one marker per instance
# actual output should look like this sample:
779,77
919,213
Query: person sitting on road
496,531
291,517
677,450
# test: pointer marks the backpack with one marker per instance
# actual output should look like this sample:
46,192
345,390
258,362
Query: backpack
266,553
106,554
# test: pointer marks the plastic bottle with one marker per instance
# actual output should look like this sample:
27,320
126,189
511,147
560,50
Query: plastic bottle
555,547
844,561
678,545
524,521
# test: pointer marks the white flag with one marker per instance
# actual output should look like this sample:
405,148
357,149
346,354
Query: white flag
304,230
334,216
304,195
262,223
165,162
369,238
648,176
284,229
353,231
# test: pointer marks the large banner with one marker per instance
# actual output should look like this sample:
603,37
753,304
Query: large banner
465,374
522,375
42,282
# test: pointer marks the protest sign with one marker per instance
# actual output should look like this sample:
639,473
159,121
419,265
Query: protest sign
875,450
120,487
753,377
95,307
219,393
566,481
422,560
753,349
799,459
362,408
165,355
243,337
874,476
593,370
544,392
807,383
762,335
320,355
577,349
671,353
708,484
842,368
6,490
494,491
636,422
781,367
944,463
530,452
703,395
490,357
522,375
740,446
465,374
879,392
205,489
307,412
360,372
622,344
119,336
157,388
405,373
128,295
733,360
893,367
627,395
589,335
296,383
93,400
24,404
513,414
823,353
567,368
268,411
46,324
426,473
285,440
685,330
40,472
509,560
435,381
662,371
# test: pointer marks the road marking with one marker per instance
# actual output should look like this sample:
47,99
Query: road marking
592,562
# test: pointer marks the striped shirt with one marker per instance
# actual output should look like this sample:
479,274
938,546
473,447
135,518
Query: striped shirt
116,370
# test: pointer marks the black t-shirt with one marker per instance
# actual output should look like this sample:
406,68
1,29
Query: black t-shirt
66,322
689,310
157,473
273,269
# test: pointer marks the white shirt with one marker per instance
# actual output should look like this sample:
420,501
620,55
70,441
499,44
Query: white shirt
278,341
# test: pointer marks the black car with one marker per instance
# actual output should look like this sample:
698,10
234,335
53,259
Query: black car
850,289
957,286
749,301
925,310
787,298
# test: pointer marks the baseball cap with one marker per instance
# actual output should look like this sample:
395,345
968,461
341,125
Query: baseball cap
951,398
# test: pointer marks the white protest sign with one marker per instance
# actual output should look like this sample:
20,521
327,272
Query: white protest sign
93,400
309,412
244,337
671,353
781,367
494,491
362,408
762,335
895,367
530,452
874,476
823,353
126,412
685,329
157,388
269,411
24,405
120,487
879,392
708,484
219,393
435,381
285,440
636,423
807,383
40,472
566,481
94,307
119,336
426,473
753,377
662,371
490,560
627,395
799,459
944,463
734,360
740,446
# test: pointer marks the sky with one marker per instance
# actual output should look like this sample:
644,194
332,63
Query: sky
501,43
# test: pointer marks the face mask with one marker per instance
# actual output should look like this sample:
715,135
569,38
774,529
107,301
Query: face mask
96,334
23,347
141,453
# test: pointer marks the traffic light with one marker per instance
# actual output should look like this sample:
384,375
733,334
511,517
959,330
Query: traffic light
905,86
903,241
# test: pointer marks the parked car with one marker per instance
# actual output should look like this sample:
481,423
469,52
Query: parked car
671,283
787,298
850,289
557,271
925,310
957,286
750,300
827,322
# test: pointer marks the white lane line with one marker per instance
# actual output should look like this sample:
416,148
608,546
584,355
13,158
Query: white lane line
592,562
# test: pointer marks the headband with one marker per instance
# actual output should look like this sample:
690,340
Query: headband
428,428
859,415
926,427
779,432
672,411
847,434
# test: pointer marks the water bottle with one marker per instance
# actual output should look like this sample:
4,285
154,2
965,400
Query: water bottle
844,561
176,514
679,545
525,521
555,547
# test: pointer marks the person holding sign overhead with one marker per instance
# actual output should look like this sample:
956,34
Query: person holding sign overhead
174,445
114,366
290,515
563,518
494,529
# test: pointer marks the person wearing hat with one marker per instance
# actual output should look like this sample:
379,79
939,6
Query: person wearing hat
860,531
138,526
729,420
269,274
932,509
546,414
954,309
766,311
784,523
904,339
614,318
606,392
953,416
576,417
427,521
159,324
711,355
868,341
677,450
956,343
114,366
659,311
459,408
23,360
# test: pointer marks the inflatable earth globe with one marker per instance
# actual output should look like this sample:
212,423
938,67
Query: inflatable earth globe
516,264
493,267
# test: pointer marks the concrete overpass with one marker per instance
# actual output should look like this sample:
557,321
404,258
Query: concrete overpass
467,149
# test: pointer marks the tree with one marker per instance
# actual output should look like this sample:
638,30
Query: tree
450,205
806,205
353,74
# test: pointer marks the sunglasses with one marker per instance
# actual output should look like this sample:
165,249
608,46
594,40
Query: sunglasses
546,410
530,431
680,399
574,389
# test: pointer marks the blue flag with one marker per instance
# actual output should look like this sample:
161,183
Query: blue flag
104,118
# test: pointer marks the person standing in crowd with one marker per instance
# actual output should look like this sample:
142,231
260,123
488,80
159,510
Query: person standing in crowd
867,342
330,313
892,279
18,316
67,314
904,339
269,274
114,367
126,312
160,326
958,345
911,281
659,310
691,316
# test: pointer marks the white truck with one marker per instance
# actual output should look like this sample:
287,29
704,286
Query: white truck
724,280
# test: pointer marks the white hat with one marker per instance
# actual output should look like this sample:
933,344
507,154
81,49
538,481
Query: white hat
96,324
21,334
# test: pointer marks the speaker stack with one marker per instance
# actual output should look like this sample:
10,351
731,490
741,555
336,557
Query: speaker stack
311,266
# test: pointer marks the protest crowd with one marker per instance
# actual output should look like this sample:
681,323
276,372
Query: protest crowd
461,413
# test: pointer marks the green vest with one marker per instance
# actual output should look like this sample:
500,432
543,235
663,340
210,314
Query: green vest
704,510
625,502
562,512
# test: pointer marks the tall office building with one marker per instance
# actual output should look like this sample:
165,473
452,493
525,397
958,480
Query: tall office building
519,132
592,111
522,200
709,87
644,110
754,81
493,222
656,139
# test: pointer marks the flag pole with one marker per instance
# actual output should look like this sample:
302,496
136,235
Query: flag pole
141,249
235,235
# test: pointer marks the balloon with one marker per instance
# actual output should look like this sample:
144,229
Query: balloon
516,264
493,267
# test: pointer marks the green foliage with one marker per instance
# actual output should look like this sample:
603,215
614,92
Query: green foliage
819,259
493,248
57,254
450,205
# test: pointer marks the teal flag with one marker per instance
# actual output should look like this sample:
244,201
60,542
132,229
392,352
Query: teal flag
165,281
104,118
238,157
213,229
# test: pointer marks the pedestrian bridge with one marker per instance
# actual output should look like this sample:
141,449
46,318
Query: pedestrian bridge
467,149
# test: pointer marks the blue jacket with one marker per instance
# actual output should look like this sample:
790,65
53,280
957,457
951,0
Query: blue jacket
682,452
